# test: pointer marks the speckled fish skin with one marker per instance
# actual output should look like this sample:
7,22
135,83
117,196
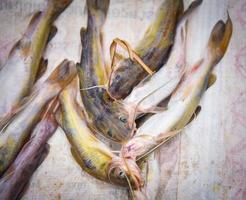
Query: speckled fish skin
20,70
153,49
14,135
105,116
145,96
184,100
18,175
91,154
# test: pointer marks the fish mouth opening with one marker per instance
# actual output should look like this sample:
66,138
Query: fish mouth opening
125,173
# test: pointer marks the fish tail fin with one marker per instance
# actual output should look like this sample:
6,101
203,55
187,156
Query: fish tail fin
219,39
189,10
56,7
33,24
97,11
63,74
25,41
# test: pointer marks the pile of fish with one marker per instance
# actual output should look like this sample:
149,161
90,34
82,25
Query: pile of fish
125,106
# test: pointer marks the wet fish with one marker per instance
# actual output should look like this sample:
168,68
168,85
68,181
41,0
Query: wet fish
16,178
153,49
93,155
147,95
184,101
151,170
25,60
14,135
104,115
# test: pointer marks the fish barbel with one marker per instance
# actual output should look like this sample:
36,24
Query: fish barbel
185,99
104,116
147,95
153,49
91,154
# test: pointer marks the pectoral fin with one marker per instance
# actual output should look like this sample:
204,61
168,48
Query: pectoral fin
42,68
212,79
52,34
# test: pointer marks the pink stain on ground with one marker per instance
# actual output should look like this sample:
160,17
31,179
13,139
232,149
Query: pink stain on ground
5,48
241,15
238,109
169,154
235,161
241,61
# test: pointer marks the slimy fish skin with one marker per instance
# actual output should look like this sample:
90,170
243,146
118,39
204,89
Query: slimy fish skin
25,62
185,99
104,116
90,153
153,49
18,175
148,94
14,135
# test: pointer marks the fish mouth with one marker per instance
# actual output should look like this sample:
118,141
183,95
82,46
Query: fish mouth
131,173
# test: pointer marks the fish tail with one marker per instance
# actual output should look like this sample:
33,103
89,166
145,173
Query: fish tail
97,11
189,10
33,24
219,39
63,74
55,7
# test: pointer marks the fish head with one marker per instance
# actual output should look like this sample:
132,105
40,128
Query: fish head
125,172
114,121
122,79
115,128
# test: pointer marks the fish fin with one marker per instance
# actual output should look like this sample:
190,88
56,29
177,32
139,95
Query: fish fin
97,10
12,50
33,24
82,33
42,68
196,113
57,6
219,39
212,79
189,10
53,31
30,29
63,74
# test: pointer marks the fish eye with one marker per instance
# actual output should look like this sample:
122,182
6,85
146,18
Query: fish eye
109,132
123,119
122,174
117,77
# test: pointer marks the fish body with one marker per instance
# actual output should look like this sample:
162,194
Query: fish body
145,96
152,173
18,175
91,154
14,135
184,100
153,49
105,116
20,71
